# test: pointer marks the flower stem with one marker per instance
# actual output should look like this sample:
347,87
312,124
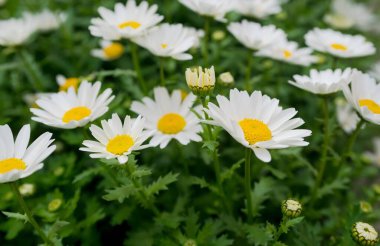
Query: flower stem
248,155
206,39
136,65
162,71
29,214
353,138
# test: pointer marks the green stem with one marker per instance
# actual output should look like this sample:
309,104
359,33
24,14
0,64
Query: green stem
162,71
353,138
206,39
29,214
136,65
248,73
33,76
280,230
247,179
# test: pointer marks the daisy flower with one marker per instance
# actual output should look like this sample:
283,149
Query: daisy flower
323,82
17,160
289,52
73,109
46,20
168,41
374,157
214,8
16,31
339,44
364,95
258,122
257,8
117,139
364,234
170,117
65,83
109,50
200,81
255,36
127,21
346,115
375,71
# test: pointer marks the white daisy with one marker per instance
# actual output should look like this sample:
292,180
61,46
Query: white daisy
17,160
339,44
73,109
323,82
109,50
117,139
258,122
364,95
214,8
16,31
255,36
197,34
258,8
46,20
374,156
168,41
170,117
346,14
127,21
65,83
375,71
346,115
289,52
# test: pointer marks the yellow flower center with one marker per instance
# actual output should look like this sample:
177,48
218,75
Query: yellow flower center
164,46
337,46
371,105
70,82
114,50
131,24
120,144
10,164
255,131
287,54
76,114
171,123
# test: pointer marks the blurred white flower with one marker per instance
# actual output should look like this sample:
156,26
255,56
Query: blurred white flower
15,32
17,160
168,40
27,189
375,71
169,117
127,21
364,95
288,51
3,2
197,34
374,156
339,44
226,78
109,50
257,122
346,14
46,20
323,82
65,83
255,36
117,139
257,8
214,8
73,109
346,115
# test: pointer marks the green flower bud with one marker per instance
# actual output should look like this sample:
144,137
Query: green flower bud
291,208
364,234
190,242
54,205
365,207
218,35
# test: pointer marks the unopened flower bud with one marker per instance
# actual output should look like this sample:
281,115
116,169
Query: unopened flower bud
190,242
54,205
27,189
226,79
365,207
218,35
364,234
201,82
291,208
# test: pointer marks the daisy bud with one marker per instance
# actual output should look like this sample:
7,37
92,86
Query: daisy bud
226,79
376,188
27,189
364,234
54,205
190,242
59,171
291,208
218,35
365,207
201,81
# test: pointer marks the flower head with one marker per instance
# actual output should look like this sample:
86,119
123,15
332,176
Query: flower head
323,82
346,115
339,44
258,122
65,83
109,50
291,208
214,8
257,8
54,204
127,21
117,139
27,189
375,71
16,31
73,109
201,81
226,79
46,20
169,117
364,234
197,34
17,160
168,41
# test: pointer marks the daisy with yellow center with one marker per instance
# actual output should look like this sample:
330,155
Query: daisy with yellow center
126,21
65,83
170,117
117,139
258,122
17,160
73,109
339,44
109,50
364,95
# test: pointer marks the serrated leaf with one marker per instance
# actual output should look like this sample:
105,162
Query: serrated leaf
161,184
120,193
258,235
57,226
87,174
227,174
203,184
17,216
290,223
210,145
261,193
141,172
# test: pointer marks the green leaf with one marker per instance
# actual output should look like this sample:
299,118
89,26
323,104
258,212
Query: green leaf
227,174
261,193
203,184
290,223
161,184
210,145
17,216
56,227
120,193
258,235
87,175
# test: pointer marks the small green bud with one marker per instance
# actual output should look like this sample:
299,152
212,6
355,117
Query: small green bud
190,242
291,208
364,234
365,207
59,171
218,35
54,205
